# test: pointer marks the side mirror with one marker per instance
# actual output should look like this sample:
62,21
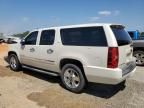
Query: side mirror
22,42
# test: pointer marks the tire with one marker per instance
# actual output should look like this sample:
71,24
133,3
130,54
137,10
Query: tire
73,78
139,57
14,62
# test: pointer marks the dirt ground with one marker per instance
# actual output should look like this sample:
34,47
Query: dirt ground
28,89
3,47
3,52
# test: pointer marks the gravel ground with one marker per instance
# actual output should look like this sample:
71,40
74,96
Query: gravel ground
30,89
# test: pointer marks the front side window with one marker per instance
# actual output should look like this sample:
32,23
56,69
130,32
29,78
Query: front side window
47,37
31,38
84,36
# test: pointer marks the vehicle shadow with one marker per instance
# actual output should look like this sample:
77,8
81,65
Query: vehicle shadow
6,59
95,89
38,75
42,76
103,90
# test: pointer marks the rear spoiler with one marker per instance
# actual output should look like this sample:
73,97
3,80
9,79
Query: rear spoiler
117,26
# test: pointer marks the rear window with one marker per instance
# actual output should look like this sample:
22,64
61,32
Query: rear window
121,35
85,36
131,34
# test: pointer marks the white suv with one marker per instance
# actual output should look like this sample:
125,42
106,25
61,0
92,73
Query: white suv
100,53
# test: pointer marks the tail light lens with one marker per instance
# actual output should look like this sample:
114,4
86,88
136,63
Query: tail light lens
113,57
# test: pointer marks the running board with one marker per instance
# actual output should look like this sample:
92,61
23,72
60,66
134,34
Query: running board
41,71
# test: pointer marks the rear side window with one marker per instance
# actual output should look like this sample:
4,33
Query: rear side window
47,37
121,35
85,36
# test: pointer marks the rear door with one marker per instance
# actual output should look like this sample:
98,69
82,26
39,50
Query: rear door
46,51
124,42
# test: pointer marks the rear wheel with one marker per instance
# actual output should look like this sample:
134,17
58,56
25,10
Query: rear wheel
14,62
73,78
139,57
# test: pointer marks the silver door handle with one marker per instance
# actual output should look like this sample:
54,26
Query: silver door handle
32,50
50,51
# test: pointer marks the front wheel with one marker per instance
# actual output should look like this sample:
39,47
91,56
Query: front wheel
139,57
14,62
73,78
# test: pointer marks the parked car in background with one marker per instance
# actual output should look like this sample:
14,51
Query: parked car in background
135,35
138,44
139,51
100,53
1,41
11,40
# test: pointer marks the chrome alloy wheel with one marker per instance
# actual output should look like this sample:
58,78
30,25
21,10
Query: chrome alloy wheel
13,63
71,78
139,58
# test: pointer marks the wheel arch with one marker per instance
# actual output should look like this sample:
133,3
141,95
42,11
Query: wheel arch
13,52
78,63
138,49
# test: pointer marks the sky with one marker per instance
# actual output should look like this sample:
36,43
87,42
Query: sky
21,15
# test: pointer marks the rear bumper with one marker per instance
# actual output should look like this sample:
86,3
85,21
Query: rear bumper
106,75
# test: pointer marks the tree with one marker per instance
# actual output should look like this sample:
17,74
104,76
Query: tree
21,35
1,36
142,33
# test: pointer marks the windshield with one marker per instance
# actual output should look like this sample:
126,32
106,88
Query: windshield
121,35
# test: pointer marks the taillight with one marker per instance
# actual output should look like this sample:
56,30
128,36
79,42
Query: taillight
113,57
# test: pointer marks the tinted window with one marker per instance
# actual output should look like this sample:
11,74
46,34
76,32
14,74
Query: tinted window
47,37
121,35
86,36
31,38
131,34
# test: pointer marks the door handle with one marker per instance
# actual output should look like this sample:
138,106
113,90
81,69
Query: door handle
50,51
32,50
